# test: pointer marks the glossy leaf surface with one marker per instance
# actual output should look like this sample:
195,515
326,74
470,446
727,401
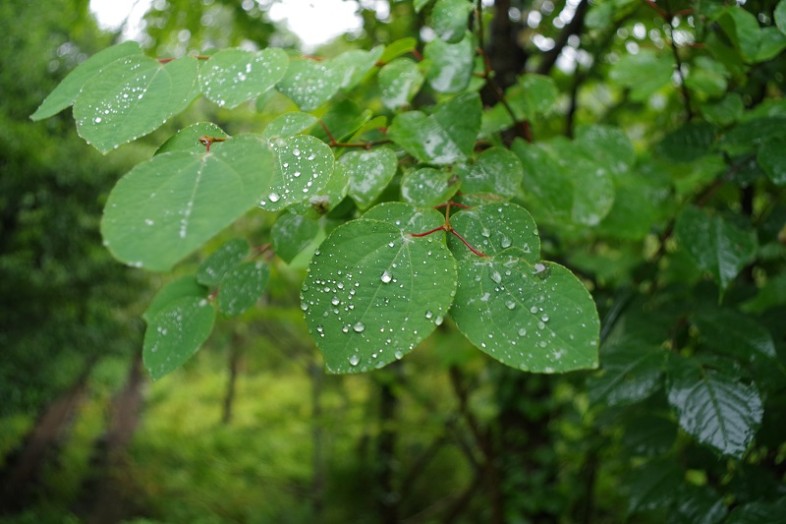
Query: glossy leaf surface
233,76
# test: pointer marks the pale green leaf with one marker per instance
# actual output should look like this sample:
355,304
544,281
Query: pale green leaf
188,139
374,292
233,76
310,83
212,270
780,16
399,47
399,81
186,286
643,73
175,333
132,97
352,66
369,173
496,174
493,228
289,124
450,65
241,287
408,219
449,19
428,187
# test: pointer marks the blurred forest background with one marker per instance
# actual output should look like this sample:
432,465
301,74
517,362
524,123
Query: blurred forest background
251,430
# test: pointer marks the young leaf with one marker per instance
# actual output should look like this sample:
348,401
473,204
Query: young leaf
68,90
241,287
369,173
232,76
399,81
451,65
428,187
175,333
715,407
132,97
374,292
224,259
449,19
444,137
186,286
398,48
292,233
309,83
170,205
715,244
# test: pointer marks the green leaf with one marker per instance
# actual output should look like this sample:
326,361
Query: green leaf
707,78
420,4
342,120
399,81
241,287
369,173
69,89
628,374
303,165
715,244
310,83
444,137
689,142
780,16
132,97
292,233
167,207
772,159
653,486
405,217
640,197
534,316
232,76
743,29
428,187
699,505
224,259
188,139
450,65
352,66
449,19
496,174
643,73
533,96
399,47
771,43
175,333
289,124
649,435
734,333
374,292
758,512
186,286
714,407
726,111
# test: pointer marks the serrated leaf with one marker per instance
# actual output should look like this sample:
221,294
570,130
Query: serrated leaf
698,505
715,244
496,174
310,83
428,187
303,165
714,407
772,159
353,65
444,137
653,486
132,97
531,315
289,124
186,286
212,270
373,293
399,81
649,435
628,374
449,19
450,65
292,233
369,173
175,333
167,207
68,90
233,76
188,139
758,512
730,332
241,287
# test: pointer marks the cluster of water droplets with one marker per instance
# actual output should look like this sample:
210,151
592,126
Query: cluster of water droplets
303,167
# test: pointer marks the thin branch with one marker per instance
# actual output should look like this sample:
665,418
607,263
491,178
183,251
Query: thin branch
574,27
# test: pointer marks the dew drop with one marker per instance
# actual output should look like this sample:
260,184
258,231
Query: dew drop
335,301
398,354
273,197
533,309
386,277
505,242
522,332
429,314
496,277
510,305
354,360
485,232
544,318
359,327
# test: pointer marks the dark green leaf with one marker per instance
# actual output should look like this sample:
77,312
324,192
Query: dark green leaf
772,159
649,435
241,287
653,486
496,174
698,505
224,259
759,512
628,374
736,334
689,142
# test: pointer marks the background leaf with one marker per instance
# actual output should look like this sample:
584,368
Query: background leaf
224,259
232,76
450,65
242,286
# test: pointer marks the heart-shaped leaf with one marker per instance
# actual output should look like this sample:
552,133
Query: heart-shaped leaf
374,292
451,65
428,187
369,173
309,83
399,81
232,76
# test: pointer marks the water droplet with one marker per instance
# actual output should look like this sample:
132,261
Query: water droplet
510,305
533,309
97,120
429,314
541,325
496,277
386,277
359,327
505,242
354,360
485,232
296,174
273,197
398,354
304,306
438,320
522,332
544,317
335,301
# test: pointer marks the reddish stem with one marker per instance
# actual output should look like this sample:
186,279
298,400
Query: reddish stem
207,141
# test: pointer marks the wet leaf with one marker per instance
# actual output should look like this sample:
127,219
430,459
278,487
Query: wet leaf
406,217
369,173
444,137
734,333
493,228
715,407
496,174
772,159
188,139
132,97
175,333
352,66
212,270
310,83
233,76
289,124
186,286
428,187
373,293
292,233
653,486
241,287
450,65
449,19
399,81
628,374
400,47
